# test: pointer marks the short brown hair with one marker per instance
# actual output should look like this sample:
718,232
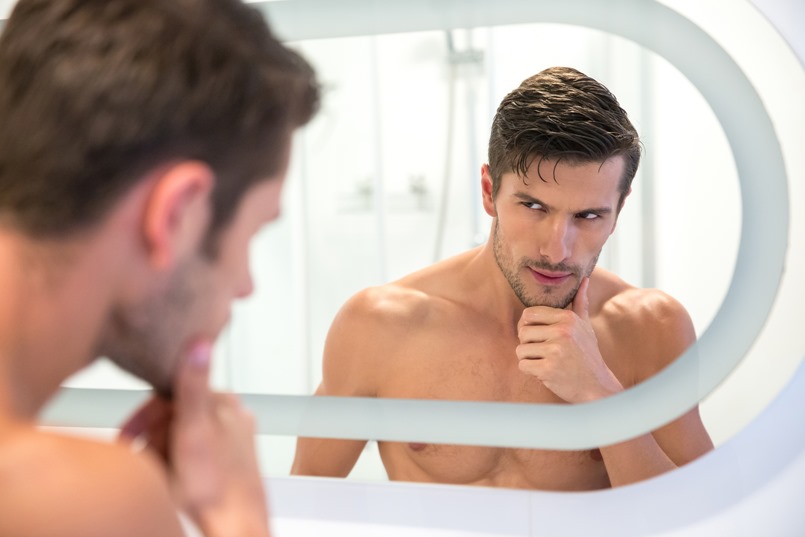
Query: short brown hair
561,113
95,93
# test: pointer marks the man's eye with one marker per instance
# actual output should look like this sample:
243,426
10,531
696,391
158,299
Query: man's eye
532,205
588,216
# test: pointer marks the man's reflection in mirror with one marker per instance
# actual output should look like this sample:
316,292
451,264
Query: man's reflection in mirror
526,317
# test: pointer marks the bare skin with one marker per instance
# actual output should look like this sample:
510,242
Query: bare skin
460,330
62,298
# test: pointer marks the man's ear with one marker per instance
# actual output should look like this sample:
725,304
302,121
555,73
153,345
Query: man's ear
486,191
177,212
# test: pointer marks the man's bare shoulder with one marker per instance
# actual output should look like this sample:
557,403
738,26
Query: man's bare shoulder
411,301
656,326
383,325
390,305
622,302
85,487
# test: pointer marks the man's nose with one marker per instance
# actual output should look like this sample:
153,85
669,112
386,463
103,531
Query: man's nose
556,243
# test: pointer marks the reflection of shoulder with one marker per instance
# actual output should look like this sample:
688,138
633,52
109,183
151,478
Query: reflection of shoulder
87,487
389,307
623,304
412,302
647,309
372,328
653,327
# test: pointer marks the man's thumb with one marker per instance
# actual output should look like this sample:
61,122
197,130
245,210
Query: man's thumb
581,304
192,383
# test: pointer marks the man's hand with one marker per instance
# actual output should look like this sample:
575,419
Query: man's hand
207,442
559,347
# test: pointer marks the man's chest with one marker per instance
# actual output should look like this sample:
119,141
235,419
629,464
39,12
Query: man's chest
495,466
474,365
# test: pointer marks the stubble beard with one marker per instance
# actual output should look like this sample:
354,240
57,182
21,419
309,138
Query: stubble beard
511,271
146,339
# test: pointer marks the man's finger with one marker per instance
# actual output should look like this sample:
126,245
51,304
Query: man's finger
535,333
541,315
192,383
581,304
149,416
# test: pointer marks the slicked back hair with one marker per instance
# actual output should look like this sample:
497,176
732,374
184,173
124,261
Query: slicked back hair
561,114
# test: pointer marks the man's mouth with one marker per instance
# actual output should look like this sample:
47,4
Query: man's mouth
547,277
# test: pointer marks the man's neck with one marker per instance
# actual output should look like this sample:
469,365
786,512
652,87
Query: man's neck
49,316
493,290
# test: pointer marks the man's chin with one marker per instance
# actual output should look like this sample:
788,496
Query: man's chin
164,391
550,301
162,387
161,382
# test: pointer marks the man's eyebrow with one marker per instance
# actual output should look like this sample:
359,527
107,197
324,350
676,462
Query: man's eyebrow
522,196
596,210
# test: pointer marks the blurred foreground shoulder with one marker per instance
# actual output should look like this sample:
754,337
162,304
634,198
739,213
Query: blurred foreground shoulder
59,485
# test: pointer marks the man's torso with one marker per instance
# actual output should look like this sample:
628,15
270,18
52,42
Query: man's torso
456,351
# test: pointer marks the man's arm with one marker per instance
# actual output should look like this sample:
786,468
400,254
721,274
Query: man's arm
349,369
325,457
667,335
560,348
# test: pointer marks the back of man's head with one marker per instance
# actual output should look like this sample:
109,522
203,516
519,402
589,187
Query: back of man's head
95,93
561,113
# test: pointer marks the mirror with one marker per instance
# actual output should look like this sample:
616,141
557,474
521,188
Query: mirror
362,187
405,126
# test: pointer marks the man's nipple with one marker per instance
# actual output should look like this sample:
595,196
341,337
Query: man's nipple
416,446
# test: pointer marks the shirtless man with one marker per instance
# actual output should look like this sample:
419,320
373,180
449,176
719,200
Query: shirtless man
527,317
142,144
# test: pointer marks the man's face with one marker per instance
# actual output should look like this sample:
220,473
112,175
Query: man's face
549,233
194,301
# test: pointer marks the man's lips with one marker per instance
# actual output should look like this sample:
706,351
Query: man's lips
546,277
